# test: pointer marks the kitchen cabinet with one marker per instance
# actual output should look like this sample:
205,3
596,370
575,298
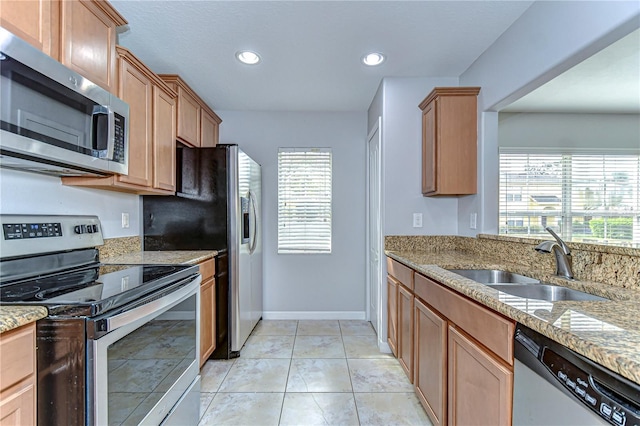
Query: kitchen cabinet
207,310
430,362
449,141
197,124
480,386
462,352
405,330
17,376
152,110
88,40
37,22
392,314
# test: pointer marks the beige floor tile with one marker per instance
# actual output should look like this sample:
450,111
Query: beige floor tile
378,375
257,375
275,328
363,347
268,347
318,409
244,409
318,328
356,328
205,400
213,373
319,375
318,347
383,409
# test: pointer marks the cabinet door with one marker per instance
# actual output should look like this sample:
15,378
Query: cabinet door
17,405
209,130
429,154
35,21
136,89
164,140
480,386
392,314
188,119
207,320
430,362
405,330
88,42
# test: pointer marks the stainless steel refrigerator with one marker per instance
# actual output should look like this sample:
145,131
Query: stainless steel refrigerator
217,206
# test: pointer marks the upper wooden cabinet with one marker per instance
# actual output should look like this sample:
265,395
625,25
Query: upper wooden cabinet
36,22
79,33
197,124
449,141
152,132
88,40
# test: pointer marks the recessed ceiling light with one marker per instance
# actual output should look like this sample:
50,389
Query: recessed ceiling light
373,59
248,57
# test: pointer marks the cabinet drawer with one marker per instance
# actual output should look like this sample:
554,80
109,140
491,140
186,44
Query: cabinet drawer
17,352
400,273
487,327
207,269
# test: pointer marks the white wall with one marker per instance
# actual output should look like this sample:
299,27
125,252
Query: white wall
548,39
575,131
402,161
30,193
310,285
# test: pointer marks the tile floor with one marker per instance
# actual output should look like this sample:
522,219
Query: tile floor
309,373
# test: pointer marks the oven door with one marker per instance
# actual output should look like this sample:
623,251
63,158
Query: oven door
147,359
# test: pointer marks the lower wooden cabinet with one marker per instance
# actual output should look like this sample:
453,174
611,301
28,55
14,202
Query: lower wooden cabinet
480,386
17,376
207,310
392,314
430,362
405,330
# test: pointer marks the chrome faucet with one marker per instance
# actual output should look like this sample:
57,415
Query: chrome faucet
561,252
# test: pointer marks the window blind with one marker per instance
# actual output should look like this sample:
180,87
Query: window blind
583,197
304,200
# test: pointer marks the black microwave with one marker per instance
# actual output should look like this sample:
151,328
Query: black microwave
53,120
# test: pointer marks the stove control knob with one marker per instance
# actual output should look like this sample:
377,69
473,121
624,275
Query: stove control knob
77,229
89,230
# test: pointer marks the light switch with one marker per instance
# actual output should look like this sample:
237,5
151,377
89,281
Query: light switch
125,220
473,220
417,220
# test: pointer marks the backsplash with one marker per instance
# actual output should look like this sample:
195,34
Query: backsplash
616,266
118,246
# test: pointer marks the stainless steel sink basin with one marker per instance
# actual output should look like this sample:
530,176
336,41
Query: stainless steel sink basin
494,276
551,293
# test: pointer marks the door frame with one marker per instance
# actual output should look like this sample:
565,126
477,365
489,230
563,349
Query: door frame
382,299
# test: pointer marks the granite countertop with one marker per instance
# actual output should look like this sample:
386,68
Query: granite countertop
15,316
607,332
187,257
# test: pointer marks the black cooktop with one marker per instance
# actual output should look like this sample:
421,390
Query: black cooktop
94,289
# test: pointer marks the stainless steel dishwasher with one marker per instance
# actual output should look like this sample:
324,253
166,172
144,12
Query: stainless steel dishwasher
554,385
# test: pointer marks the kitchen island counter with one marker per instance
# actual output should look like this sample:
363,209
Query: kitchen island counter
16,316
184,257
607,332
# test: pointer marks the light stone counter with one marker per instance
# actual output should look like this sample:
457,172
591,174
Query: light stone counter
186,257
16,316
607,332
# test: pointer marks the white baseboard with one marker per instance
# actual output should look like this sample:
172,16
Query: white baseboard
384,347
315,315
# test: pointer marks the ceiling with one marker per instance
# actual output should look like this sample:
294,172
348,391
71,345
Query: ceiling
607,82
310,50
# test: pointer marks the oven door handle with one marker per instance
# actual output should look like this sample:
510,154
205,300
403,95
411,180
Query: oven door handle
101,326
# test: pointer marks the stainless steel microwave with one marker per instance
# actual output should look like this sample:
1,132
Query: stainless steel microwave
53,120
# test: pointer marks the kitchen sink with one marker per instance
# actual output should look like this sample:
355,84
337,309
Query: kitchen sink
551,293
494,276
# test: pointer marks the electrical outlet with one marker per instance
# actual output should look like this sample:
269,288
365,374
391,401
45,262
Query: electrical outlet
125,220
417,220
473,220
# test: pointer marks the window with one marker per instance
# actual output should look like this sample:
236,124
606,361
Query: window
583,197
304,200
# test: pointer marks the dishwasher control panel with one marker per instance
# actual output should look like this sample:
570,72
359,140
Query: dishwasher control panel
610,404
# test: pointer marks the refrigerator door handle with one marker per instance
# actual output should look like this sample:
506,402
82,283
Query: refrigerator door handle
254,240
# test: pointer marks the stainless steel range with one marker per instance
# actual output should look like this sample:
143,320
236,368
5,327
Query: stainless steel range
120,344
